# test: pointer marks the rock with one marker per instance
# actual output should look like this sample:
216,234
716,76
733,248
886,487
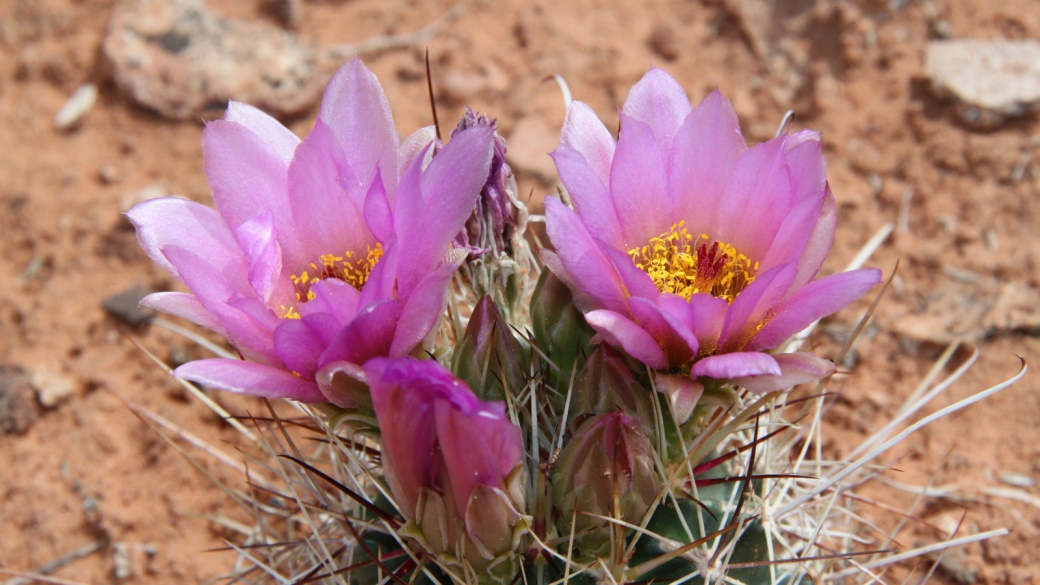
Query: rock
989,80
179,59
128,201
287,12
81,102
529,146
665,42
52,387
17,412
126,306
974,308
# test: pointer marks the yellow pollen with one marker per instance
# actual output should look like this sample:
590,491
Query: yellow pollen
348,268
677,264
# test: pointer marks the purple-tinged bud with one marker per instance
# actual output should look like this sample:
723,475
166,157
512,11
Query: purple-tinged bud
453,461
559,327
488,357
494,233
607,470
606,383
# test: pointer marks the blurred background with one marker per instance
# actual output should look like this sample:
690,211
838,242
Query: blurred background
928,122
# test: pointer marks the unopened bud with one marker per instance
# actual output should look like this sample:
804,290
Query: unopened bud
488,357
606,470
454,463
606,383
559,327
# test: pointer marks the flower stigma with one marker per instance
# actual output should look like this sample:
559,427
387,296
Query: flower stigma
682,264
350,268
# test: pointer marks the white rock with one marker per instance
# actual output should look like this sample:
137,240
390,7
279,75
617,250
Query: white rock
52,387
79,104
993,80
129,200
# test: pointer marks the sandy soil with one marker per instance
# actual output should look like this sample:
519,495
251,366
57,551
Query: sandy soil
88,469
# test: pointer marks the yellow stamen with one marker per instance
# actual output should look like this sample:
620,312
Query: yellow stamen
676,266
347,268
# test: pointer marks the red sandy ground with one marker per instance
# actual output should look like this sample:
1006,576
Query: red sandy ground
89,468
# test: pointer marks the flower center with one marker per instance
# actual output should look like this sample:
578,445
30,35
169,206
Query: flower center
350,268
682,264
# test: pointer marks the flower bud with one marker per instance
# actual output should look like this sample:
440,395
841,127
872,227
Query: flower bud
494,233
559,327
606,384
606,470
454,463
488,357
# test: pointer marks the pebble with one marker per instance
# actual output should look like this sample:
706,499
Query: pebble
52,387
81,102
128,201
665,42
126,306
990,80
17,412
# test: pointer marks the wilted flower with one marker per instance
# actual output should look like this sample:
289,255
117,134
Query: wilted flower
453,461
690,250
321,254
500,259
607,469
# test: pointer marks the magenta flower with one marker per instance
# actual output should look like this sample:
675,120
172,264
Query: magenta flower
688,249
450,458
321,254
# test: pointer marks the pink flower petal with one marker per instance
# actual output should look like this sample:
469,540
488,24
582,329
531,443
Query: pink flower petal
660,102
271,131
246,175
818,246
422,310
795,231
450,187
369,334
171,221
185,306
701,162
638,184
334,297
248,378
796,368
757,199
753,305
355,108
814,301
736,365
213,290
591,197
584,133
327,220
678,342
620,331
586,265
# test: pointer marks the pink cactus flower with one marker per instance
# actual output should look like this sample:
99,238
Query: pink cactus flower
320,254
688,249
